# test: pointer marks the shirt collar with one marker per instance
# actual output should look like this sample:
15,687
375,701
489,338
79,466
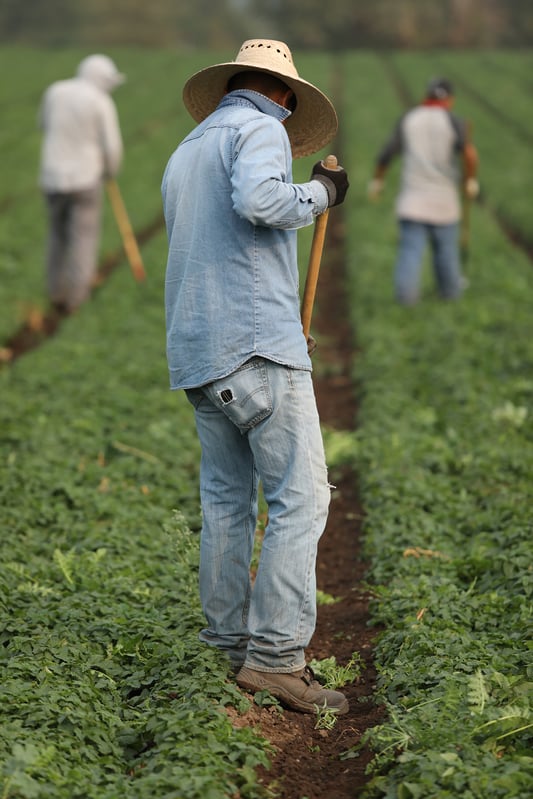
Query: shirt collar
435,102
255,99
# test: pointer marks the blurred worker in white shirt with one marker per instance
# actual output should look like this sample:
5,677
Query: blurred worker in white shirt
81,148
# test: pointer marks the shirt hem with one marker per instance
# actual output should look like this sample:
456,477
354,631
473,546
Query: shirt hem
186,384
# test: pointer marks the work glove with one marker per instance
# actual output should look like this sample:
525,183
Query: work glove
335,181
374,188
471,188
311,345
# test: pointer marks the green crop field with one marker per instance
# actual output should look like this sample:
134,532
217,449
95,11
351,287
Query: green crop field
105,691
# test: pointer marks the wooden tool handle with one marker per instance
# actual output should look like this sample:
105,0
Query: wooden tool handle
128,237
317,245
330,162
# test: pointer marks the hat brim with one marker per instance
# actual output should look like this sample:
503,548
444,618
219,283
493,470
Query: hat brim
310,127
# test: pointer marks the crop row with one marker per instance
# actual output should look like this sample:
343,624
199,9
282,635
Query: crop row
106,690
444,456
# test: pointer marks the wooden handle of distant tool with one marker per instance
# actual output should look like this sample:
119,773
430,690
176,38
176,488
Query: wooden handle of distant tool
469,170
128,238
317,245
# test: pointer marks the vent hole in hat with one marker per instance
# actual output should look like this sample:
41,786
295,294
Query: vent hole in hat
268,47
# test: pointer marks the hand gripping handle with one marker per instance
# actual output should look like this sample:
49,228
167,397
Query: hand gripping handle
317,245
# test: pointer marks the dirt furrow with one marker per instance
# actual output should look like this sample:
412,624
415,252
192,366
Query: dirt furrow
309,762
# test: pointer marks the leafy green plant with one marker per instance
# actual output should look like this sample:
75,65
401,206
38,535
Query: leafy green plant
332,675
326,718
323,598
265,699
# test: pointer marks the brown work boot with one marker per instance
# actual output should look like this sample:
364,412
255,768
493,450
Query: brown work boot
298,690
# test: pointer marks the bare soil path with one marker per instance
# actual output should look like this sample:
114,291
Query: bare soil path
307,761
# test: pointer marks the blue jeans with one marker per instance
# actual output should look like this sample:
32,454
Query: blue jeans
260,424
443,240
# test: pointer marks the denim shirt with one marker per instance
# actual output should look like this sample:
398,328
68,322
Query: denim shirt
232,212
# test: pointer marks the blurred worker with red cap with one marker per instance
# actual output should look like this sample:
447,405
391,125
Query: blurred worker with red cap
429,138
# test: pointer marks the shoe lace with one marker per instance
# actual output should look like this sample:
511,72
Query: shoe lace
308,675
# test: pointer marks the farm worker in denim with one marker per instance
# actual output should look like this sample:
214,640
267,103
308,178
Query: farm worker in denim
235,344
82,146
429,138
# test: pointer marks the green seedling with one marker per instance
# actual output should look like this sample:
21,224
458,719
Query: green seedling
326,718
322,598
265,699
331,675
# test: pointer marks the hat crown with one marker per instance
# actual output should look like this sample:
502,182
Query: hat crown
267,54
309,127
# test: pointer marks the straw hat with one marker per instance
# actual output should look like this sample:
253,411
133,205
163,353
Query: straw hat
310,127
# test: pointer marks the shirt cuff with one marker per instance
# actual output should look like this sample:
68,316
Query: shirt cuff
320,196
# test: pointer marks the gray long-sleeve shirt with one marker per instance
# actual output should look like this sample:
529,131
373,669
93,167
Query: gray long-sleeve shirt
428,138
